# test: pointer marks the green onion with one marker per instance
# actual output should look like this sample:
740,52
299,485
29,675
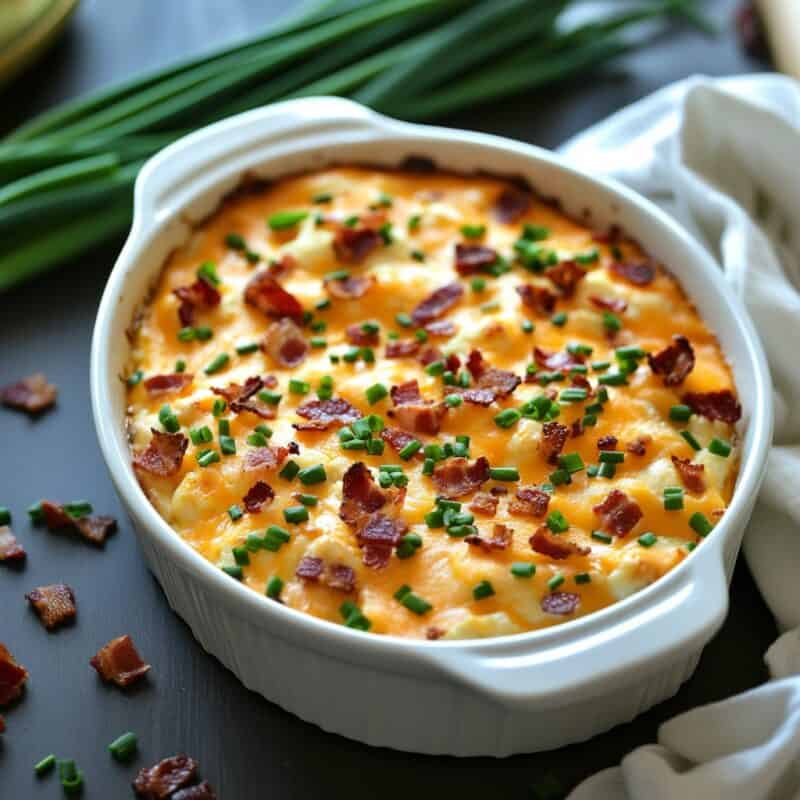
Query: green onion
571,462
602,537
246,348
411,601
219,407
607,469
557,522
207,271
295,514
410,449
270,398
673,498
235,241
168,419
205,458
257,439
235,513
507,418
311,475
217,363
274,587
680,413
560,476
241,555
613,379
504,473
555,582
522,569
71,777
376,393
559,319
453,400
647,539
283,220
135,378
124,747
482,590
45,765
421,335
573,395
700,525
583,577
5,516
691,441
299,387
234,571
611,457
611,322
719,447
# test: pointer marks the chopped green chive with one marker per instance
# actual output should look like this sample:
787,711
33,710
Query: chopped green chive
583,577
691,441
590,257
311,475
45,765
680,413
602,537
71,777
234,571
555,582
257,440
408,545
673,498
421,335
322,197
168,419
201,435
135,378
246,348
323,305
473,231
219,407
573,395
180,365
224,427
289,471
504,473
557,522
410,449
274,587
376,393
403,320
559,319
299,387
124,747
535,233
253,542
283,220
385,232
613,379
700,525
205,458
611,457
607,469
235,513
207,271
203,333
647,539
719,447
559,477
337,275
325,389
611,322
36,513
453,400
295,514
412,601
236,241
522,569
5,516
271,398
528,326
307,499
507,418
275,537
241,555
571,462
227,445
482,590
217,363
414,222
478,284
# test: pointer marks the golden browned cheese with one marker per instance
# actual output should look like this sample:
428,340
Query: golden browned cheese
427,214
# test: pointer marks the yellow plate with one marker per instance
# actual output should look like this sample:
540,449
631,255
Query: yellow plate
27,27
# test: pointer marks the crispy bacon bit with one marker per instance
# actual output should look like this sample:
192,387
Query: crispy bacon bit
269,297
243,398
619,514
638,446
310,568
378,538
691,474
511,204
498,382
55,604
541,300
456,477
340,577
353,245
419,417
55,517
277,269
582,382
96,529
202,791
561,603
430,354
164,454
199,295
556,362
614,304
11,551
544,541
397,439
118,662
12,677
441,327
554,437
472,258
401,348
264,458
502,537
576,429
406,393
162,384
566,276
350,288
285,344
433,633
674,362
484,503
161,781
639,273
721,405
357,335
31,395
258,495
360,494
437,303
529,501
607,443
324,413
478,397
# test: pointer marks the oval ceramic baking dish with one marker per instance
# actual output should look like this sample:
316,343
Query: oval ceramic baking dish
521,693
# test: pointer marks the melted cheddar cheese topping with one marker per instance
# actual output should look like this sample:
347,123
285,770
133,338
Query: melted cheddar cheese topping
585,358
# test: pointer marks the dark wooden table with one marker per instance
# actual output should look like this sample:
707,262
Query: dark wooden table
246,746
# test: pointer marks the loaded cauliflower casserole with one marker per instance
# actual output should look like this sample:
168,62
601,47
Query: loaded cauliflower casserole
428,405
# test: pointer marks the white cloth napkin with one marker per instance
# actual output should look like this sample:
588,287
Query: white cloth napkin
723,156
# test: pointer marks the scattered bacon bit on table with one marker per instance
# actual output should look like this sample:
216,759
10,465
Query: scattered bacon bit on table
162,780
544,541
721,405
437,303
561,603
638,446
529,501
378,537
327,412
537,298
554,437
619,514
402,348
12,677
163,384
95,529
264,458
353,245
11,551
202,791
472,258
264,293
199,295
484,503
285,344
242,398
639,273
614,304
511,204
566,275
456,477
119,662
502,535
674,362
691,475
350,288
55,604
164,454
258,495
33,394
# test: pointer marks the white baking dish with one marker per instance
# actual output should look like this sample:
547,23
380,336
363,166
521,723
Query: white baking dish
520,693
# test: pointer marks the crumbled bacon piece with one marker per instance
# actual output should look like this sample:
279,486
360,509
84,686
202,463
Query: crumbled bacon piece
502,537
582,382
674,362
477,397
353,245
619,514
31,395
264,458
556,362
529,501
378,537
433,633
544,541
340,577
607,443
406,393
269,297
199,295
499,382
284,343
614,304
511,204
12,677
277,269
456,477
721,405
258,495
55,604
401,348
638,446
310,568
397,439
561,603
244,398
437,303
327,412
163,384
691,474
429,355
472,258
484,503
566,276
202,791
360,494
441,327
11,551
118,662
164,454
350,288
537,298
162,780
55,517
95,529
357,335
554,437
415,414
639,273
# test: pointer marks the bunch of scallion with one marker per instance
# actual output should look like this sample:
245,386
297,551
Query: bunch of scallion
66,176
